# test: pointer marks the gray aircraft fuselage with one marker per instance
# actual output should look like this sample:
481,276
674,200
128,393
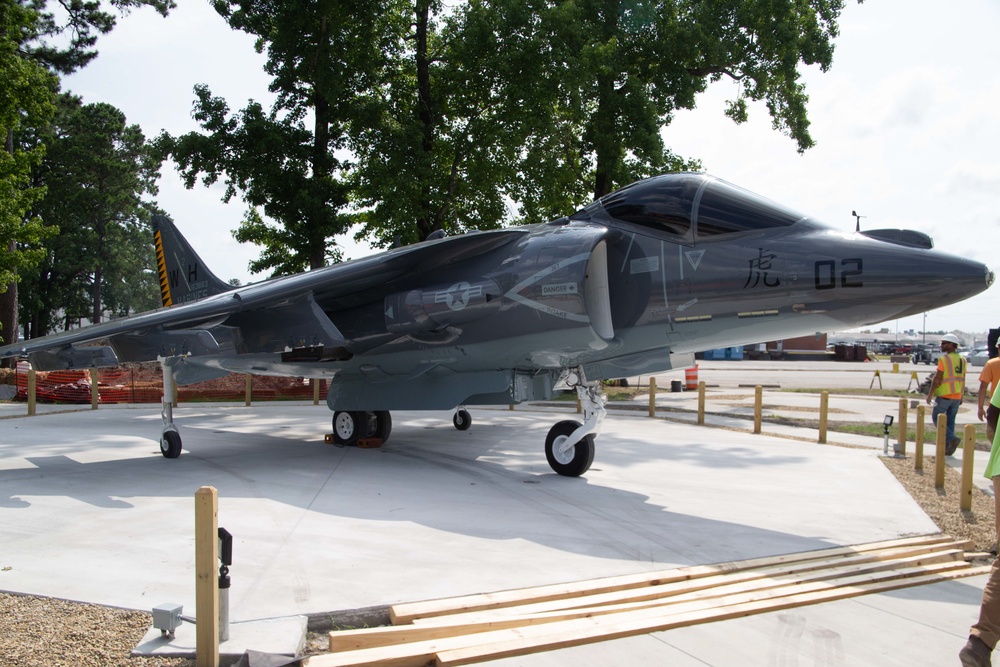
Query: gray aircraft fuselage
632,284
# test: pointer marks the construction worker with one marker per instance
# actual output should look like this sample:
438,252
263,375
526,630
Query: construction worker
989,379
948,387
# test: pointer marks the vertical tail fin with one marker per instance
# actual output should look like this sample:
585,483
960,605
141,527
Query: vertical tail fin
183,276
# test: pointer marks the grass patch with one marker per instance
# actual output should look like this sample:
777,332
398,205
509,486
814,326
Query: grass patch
876,430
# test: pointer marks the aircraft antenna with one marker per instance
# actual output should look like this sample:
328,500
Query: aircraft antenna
855,214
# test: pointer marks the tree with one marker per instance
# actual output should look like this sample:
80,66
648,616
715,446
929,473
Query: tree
274,161
631,63
97,170
64,41
544,104
26,98
468,117
320,55
437,145
36,43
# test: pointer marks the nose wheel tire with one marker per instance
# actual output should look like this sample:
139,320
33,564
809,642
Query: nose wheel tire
574,461
462,420
170,444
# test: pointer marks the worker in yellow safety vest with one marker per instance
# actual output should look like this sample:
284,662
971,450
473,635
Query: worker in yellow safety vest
948,387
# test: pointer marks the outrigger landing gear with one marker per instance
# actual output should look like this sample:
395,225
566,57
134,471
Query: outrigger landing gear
462,419
170,439
569,446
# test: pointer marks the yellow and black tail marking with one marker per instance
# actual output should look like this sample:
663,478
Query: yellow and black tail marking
161,269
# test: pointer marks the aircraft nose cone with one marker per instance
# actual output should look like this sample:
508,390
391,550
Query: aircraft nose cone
937,279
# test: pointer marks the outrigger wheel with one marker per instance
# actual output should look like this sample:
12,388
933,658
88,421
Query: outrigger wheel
170,444
462,420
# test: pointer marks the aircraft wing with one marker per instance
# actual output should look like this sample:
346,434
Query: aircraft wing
188,321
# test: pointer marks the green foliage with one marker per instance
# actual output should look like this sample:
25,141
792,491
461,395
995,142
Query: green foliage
272,161
26,99
321,56
64,41
97,171
474,115
35,43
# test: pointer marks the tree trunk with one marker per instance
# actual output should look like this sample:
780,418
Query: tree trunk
607,146
425,221
8,313
98,286
8,299
321,163
321,171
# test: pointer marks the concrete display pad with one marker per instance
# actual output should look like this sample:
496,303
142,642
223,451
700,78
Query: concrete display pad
90,511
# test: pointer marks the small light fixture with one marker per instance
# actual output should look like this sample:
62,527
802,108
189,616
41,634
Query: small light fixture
886,423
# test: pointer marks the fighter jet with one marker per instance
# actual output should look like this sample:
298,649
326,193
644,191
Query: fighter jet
632,284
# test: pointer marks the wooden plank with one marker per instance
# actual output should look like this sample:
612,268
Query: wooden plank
467,648
593,630
407,612
889,556
682,592
485,622
476,622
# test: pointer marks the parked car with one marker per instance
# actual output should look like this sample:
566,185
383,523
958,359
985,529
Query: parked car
925,354
979,356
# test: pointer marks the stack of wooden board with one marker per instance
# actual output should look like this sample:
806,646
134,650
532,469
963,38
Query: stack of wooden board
474,628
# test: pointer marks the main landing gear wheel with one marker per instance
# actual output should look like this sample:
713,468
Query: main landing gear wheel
349,425
574,461
170,444
383,425
462,420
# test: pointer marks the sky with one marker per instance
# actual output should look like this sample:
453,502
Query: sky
905,125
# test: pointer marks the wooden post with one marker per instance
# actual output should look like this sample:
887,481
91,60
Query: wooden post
901,423
249,390
206,557
95,395
942,436
918,455
824,410
968,457
315,391
32,391
701,403
652,396
758,407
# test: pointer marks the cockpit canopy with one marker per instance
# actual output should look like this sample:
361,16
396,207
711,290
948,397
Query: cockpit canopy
690,206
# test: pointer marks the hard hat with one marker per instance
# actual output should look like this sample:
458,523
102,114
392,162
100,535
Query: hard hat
950,338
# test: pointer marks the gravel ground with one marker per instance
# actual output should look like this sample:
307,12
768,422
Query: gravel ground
42,632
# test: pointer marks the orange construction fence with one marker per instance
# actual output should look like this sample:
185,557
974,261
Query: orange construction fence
143,383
